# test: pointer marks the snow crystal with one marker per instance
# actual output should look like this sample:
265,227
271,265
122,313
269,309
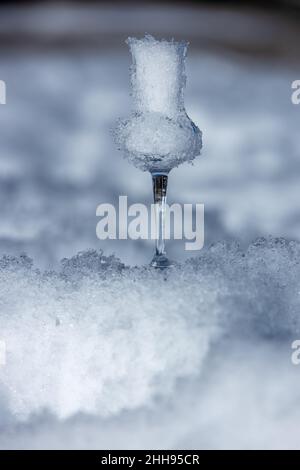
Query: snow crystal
101,338
158,75
159,135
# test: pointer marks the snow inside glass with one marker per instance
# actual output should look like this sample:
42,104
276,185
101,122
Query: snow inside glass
158,135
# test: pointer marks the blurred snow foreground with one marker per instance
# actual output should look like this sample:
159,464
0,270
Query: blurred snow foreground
103,355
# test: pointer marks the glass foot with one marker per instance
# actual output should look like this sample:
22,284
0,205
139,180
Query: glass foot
161,261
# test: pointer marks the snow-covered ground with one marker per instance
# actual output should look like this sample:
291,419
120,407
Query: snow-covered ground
104,356
101,355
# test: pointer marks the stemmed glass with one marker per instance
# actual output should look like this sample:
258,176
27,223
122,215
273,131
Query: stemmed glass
158,135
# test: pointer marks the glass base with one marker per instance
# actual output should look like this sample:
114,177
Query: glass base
161,262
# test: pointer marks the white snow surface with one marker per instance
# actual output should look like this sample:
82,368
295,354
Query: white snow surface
99,354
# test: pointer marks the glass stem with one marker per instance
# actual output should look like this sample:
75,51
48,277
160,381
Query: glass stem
160,184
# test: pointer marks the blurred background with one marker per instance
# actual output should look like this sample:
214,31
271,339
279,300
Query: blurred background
66,68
